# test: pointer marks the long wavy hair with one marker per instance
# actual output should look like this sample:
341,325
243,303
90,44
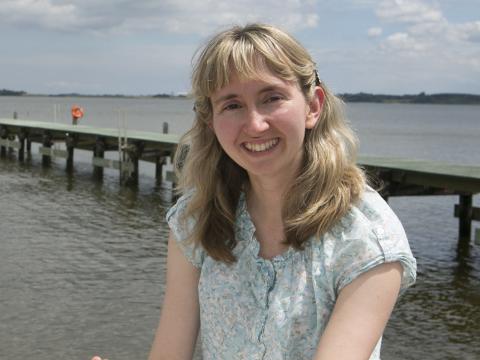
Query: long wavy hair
328,182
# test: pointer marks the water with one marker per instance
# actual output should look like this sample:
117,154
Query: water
82,263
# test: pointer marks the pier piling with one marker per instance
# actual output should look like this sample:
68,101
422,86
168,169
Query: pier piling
133,153
465,212
159,162
46,143
22,136
3,136
70,142
99,152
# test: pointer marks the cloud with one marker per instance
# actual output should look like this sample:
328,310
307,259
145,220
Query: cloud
418,45
374,31
425,27
43,12
408,11
175,16
469,31
404,42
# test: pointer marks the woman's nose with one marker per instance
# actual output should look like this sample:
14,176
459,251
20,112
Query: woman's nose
255,122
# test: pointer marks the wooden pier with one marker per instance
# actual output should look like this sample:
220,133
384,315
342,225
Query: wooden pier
130,145
399,177
406,177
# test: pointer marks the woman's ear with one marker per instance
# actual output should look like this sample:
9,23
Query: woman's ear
315,107
210,125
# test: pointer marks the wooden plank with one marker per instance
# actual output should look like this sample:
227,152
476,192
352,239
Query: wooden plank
10,143
461,178
52,152
170,139
475,212
444,181
423,166
112,164
106,163
170,176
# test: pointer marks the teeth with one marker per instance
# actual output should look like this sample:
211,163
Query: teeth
261,147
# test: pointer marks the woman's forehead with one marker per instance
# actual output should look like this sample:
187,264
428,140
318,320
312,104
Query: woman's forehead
260,72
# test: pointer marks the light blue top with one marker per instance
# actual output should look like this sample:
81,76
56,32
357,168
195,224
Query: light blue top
277,309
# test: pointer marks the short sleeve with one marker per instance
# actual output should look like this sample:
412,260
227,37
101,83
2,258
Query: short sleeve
181,229
370,235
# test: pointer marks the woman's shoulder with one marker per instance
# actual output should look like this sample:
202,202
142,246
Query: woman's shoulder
181,226
180,205
368,235
369,215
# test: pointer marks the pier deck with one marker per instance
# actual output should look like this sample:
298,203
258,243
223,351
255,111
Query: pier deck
399,177
131,145
433,176
407,177
38,129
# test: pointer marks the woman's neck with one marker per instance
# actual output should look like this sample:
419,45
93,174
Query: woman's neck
265,205
265,197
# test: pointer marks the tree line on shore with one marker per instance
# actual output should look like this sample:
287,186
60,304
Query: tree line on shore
421,98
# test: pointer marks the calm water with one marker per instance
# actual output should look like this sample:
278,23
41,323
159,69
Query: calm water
82,263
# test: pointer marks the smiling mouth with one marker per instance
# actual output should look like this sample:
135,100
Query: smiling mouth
261,147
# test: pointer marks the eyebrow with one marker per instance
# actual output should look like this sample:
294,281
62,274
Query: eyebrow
226,97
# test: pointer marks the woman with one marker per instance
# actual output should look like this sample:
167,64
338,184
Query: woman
278,248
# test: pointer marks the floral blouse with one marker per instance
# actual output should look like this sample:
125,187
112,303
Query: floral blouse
278,309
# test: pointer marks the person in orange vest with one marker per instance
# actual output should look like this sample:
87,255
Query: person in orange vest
77,113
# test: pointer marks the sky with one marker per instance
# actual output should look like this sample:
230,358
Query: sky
145,47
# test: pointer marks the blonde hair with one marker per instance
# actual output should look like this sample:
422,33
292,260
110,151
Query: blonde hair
328,181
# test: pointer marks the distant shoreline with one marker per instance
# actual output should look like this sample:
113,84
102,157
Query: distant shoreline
6,92
422,98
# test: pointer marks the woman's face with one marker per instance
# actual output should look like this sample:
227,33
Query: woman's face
260,124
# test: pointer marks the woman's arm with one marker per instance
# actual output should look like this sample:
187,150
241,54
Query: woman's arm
360,314
179,322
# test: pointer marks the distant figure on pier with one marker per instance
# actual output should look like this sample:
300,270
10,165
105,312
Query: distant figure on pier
77,113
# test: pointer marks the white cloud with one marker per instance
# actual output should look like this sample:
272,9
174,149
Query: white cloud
43,12
425,28
374,31
403,42
178,16
408,11
468,31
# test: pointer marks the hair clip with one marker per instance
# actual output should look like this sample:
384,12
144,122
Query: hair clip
317,79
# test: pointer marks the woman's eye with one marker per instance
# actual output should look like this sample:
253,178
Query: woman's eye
273,98
231,107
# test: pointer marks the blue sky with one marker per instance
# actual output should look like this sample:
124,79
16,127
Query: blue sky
142,47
